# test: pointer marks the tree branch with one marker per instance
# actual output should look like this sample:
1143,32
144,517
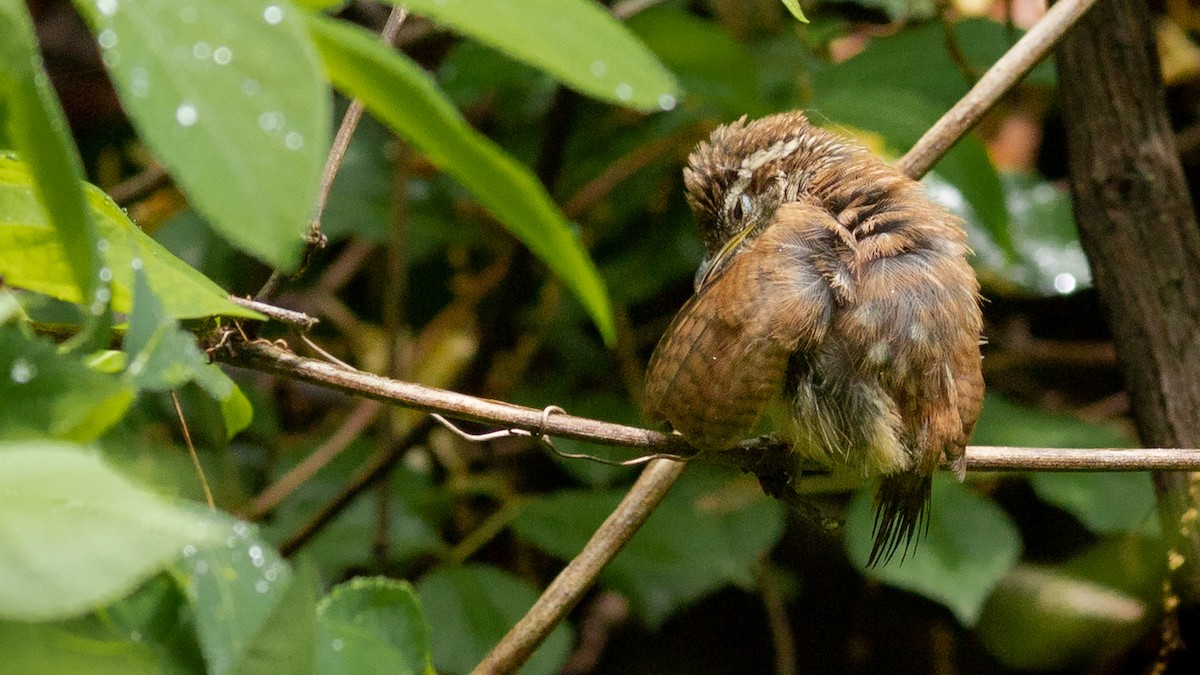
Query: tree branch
1001,77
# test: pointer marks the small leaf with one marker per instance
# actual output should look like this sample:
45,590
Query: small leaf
373,625
793,6
47,393
229,96
405,98
470,608
235,587
575,41
969,546
77,534
708,533
31,258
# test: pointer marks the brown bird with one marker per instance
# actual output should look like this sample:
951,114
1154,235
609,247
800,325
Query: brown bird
838,295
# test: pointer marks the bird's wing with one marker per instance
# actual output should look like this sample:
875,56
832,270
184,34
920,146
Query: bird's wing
725,355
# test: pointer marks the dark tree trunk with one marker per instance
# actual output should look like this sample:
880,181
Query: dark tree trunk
1139,230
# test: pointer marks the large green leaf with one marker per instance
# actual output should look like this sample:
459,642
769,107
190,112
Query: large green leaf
1004,422
77,535
969,546
147,632
38,130
1079,613
373,625
32,258
1105,502
470,608
229,96
403,96
236,587
576,41
707,533
45,393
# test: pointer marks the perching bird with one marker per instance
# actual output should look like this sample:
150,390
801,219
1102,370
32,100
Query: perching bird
836,294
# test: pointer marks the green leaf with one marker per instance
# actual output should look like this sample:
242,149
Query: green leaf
709,532
345,544
575,41
793,6
712,67
1050,258
470,608
916,60
1003,422
229,96
1105,502
46,393
285,642
373,625
31,257
1060,618
969,546
405,98
77,534
236,587
146,632
38,130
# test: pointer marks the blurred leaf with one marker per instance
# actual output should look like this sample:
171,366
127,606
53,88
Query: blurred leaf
77,534
373,625
146,632
1044,619
403,96
916,60
709,532
898,10
236,588
227,94
793,6
1003,422
46,393
31,258
1104,502
1050,258
969,546
285,643
712,67
902,122
345,543
37,129
576,41
470,608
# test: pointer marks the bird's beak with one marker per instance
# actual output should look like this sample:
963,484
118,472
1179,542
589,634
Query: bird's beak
713,265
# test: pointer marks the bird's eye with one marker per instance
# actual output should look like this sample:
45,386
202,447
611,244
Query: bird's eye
741,208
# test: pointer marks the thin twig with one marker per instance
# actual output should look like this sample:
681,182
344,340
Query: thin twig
140,186
269,358
565,591
291,317
1001,77
333,162
187,438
